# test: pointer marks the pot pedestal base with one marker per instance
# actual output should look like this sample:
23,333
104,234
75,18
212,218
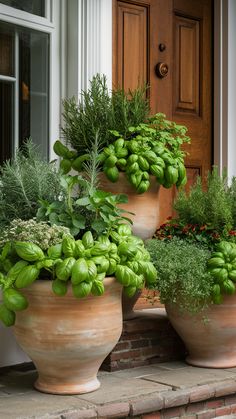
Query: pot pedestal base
55,388
211,362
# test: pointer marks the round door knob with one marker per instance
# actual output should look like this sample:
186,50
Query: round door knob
161,70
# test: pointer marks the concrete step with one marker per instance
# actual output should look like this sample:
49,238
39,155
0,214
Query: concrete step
169,390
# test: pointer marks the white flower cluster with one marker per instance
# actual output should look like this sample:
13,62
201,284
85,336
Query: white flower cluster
39,233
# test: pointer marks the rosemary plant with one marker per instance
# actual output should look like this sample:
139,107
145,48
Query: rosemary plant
25,180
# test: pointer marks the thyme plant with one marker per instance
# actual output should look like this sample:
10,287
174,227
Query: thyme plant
182,273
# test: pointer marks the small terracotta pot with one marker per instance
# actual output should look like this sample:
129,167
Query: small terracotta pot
68,338
145,206
209,336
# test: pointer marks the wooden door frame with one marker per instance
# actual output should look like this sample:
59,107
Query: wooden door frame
224,96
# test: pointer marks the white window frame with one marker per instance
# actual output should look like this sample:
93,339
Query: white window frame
50,25
53,24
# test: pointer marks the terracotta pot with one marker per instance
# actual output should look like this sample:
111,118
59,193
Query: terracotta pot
128,304
68,338
210,336
144,206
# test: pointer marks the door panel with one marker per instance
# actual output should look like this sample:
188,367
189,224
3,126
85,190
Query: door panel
132,45
186,65
184,28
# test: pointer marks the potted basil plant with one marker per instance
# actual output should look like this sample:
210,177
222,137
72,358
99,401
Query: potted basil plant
137,153
61,276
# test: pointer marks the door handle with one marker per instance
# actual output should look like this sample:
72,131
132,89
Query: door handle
161,70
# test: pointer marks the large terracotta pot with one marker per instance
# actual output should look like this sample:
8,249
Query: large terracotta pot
144,206
210,336
68,338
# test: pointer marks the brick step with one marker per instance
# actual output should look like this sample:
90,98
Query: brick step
146,339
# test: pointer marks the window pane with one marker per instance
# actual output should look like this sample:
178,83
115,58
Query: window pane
6,52
33,87
6,120
36,7
28,94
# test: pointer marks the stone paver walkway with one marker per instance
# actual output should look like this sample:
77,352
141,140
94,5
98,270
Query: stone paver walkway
130,393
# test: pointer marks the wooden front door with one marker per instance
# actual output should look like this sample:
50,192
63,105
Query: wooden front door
177,33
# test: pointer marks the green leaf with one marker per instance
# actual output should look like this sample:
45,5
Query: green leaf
27,276
87,240
82,290
83,202
55,251
17,268
54,218
5,251
59,287
98,225
68,246
14,300
7,316
92,270
121,198
97,287
64,268
79,221
28,251
79,271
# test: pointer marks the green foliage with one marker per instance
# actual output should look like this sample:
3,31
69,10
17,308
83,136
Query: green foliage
24,181
128,109
152,148
182,273
222,267
83,206
232,197
212,206
85,263
148,149
120,124
98,112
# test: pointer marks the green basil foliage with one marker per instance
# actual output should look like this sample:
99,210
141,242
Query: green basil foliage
84,263
151,148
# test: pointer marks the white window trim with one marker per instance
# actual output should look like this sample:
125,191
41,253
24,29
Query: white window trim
19,17
225,86
50,25
89,43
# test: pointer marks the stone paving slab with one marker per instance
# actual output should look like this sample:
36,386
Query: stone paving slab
189,376
114,389
34,404
125,393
